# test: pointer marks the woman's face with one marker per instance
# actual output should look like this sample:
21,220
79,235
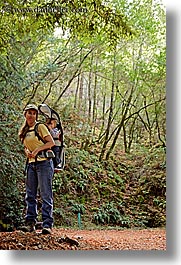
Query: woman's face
31,116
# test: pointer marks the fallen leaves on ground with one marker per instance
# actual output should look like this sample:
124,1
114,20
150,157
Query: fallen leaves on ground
69,239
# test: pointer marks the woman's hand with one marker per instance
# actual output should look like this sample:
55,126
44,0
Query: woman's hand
28,153
35,152
49,143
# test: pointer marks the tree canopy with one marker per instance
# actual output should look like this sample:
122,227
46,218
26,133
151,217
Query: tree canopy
78,18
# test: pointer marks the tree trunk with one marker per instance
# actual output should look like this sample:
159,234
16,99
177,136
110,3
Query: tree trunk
106,140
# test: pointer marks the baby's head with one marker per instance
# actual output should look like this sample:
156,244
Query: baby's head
51,123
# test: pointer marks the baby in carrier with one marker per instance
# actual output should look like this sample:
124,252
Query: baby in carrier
55,132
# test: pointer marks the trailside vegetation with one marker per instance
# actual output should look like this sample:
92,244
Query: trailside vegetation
102,67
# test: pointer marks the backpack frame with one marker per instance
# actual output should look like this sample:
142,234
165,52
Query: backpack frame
50,113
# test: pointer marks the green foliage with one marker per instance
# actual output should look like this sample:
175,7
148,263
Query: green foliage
147,188
76,72
78,208
108,214
131,193
11,171
85,19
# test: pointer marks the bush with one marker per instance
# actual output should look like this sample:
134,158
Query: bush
11,172
108,214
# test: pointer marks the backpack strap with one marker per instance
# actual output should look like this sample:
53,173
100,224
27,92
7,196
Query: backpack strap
37,133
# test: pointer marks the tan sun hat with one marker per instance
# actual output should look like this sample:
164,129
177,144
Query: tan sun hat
31,106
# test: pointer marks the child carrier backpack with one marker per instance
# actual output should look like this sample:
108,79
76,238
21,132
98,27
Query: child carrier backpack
49,113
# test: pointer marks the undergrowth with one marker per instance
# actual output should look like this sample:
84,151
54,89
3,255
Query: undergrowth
127,191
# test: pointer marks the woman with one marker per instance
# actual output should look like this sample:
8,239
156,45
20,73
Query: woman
39,171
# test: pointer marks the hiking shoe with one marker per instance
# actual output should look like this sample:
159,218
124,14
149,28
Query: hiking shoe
39,226
58,168
46,230
28,228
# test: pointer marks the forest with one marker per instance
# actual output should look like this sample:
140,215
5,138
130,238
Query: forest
102,66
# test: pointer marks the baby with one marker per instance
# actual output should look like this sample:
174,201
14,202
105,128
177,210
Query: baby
55,132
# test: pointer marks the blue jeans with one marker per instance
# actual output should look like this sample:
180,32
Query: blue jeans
56,159
39,175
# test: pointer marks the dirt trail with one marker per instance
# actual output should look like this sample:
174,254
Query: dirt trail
69,239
